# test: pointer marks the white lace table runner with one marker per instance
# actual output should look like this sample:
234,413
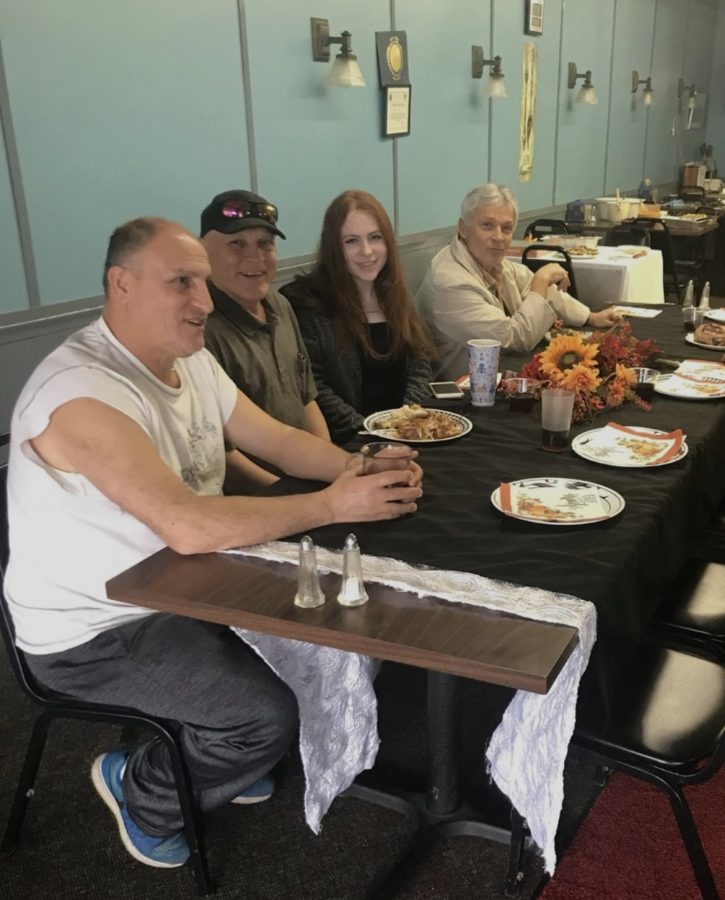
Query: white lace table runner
338,708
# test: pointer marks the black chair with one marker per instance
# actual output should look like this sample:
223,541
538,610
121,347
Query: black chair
693,612
667,716
57,707
627,234
545,227
564,260
660,239
693,193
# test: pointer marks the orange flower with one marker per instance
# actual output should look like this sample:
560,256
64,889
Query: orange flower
566,352
579,378
626,375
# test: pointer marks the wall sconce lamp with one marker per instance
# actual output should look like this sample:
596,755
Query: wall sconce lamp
495,86
586,94
345,71
647,94
692,92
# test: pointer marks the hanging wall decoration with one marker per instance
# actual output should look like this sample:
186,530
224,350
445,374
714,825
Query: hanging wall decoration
528,112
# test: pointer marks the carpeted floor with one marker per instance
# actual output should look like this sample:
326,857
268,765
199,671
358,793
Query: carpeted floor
629,847
69,847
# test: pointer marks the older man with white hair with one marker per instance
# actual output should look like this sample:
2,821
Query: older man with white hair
472,290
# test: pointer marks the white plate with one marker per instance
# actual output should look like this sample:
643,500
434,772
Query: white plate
370,425
690,338
673,386
612,502
717,315
587,444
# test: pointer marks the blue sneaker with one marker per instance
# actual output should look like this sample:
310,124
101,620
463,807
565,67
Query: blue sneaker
161,852
258,792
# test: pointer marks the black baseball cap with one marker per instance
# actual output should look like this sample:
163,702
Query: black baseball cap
234,211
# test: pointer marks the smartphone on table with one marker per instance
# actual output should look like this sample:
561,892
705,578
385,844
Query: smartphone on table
445,390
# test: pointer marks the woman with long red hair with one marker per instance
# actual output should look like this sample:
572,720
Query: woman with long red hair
368,347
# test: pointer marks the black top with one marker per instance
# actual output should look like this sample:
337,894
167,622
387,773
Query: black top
383,380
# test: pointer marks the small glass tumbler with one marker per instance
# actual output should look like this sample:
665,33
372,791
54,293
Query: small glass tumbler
521,392
692,318
557,406
381,456
644,387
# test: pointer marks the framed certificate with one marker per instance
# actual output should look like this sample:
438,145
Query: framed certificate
534,21
396,118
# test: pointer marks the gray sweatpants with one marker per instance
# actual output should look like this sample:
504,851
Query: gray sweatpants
237,718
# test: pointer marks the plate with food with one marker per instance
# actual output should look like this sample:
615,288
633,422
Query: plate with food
716,315
557,501
416,424
686,387
630,448
709,335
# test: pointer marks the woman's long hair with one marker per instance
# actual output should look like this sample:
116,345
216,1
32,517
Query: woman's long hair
337,293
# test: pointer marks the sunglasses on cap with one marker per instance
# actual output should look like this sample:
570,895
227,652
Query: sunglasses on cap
246,209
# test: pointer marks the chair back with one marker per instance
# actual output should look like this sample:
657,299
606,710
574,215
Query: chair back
693,193
534,263
627,234
544,227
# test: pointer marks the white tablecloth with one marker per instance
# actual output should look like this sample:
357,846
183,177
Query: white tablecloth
612,276
338,710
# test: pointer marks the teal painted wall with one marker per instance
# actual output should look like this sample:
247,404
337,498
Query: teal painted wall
627,113
141,107
119,109
447,153
13,294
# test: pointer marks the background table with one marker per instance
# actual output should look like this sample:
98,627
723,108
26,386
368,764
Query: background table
612,276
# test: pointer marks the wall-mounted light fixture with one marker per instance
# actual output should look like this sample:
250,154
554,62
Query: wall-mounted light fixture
691,92
647,93
345,71
586,94
496,85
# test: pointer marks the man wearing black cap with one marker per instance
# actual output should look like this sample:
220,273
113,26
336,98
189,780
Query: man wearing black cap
253,332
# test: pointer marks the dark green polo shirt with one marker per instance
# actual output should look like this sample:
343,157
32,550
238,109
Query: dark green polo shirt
267,361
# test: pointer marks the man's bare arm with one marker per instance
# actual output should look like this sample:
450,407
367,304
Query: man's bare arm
90,438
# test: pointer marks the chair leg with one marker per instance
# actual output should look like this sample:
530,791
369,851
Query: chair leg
691,838
515,874
26,784
193,829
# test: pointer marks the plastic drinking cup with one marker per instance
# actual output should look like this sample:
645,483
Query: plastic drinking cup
483,355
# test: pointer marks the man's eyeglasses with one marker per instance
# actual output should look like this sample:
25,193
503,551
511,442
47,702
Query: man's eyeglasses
244,209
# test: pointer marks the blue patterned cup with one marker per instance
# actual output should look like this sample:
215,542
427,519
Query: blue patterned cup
483,367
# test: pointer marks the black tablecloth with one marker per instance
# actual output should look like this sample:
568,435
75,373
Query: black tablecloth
620,565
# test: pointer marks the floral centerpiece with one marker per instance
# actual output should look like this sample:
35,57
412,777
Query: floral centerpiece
597,368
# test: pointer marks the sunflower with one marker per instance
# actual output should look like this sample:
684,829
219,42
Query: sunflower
566,352
579,378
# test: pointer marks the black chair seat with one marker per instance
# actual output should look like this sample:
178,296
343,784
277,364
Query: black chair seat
55,707
669,711
666,725
693,613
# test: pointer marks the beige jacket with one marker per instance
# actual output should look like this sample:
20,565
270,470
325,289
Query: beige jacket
458,306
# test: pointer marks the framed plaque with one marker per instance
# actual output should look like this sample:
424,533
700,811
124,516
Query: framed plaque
392,48
396,115
534,20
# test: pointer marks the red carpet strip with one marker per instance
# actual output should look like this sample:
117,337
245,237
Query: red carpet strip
629,847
